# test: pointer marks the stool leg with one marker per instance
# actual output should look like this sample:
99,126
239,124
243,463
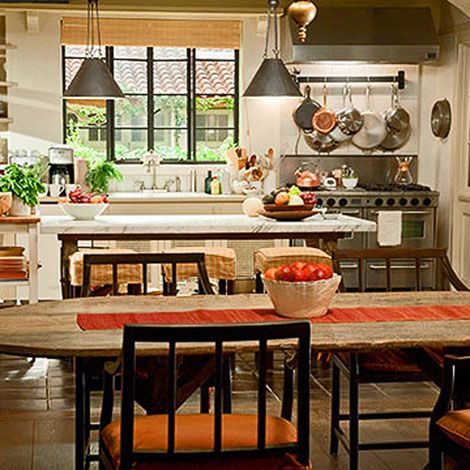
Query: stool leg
353,413
335,404
134,289
259,284
205,398
222,287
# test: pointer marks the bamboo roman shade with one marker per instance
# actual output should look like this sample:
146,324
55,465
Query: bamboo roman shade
156,33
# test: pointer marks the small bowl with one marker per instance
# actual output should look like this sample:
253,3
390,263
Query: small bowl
6,200
83,211
350,183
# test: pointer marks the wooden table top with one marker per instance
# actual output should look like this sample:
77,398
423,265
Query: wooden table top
49,329
31,219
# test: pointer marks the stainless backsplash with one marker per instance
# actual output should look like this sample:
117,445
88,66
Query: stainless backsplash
370,169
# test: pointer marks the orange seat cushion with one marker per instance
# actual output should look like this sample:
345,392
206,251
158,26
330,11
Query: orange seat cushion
196,432
456,425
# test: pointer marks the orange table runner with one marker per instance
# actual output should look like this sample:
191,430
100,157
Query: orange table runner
113,321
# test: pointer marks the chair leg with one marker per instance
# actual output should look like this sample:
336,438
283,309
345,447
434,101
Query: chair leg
353,413
230,287
335,408
259,289
205,398
222,287
227,384
288,390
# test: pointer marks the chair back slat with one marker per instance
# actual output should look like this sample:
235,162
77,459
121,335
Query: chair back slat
144,260
218,396
296,332
172,398
418,255
262,394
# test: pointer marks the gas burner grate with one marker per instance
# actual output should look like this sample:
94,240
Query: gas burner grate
394,187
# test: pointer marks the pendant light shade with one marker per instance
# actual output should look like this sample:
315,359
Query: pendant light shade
272,79
93,80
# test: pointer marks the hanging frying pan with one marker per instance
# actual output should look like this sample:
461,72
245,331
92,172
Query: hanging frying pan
397,118
350,119
320,142
396,140
374,129
324,120
303,114
337,133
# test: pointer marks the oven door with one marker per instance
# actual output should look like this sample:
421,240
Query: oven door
418,228
351,241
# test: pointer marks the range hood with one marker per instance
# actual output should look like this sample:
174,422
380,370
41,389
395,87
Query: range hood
389,35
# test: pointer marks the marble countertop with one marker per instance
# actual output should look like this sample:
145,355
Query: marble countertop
204,224
163,197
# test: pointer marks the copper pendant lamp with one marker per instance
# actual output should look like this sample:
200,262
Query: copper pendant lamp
272,78
93,80
302,12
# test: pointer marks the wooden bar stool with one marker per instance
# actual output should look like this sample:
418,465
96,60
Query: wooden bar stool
273,257
102,275
220,265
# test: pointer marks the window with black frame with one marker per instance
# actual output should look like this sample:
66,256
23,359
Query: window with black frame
182,103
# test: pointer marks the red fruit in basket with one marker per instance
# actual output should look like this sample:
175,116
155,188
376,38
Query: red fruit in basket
300,275
270,273
298,265
324,271
285,273
310,272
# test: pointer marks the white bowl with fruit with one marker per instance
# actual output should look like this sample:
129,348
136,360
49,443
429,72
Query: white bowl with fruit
301,290
84,206
292,204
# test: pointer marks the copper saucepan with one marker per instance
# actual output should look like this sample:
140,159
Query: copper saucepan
324,120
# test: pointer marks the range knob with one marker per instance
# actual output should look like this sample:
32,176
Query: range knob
379,201
319,201
390,201
330,202
414,201
343,201
402,201
427,201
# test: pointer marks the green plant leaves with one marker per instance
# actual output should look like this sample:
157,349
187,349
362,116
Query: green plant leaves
100,174
23,183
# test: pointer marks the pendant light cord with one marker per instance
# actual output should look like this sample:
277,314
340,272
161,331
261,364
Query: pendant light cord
272,18
93,37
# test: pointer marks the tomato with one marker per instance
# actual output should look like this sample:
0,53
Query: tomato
327,270
298,265
285,273
310,271
300,275
270,273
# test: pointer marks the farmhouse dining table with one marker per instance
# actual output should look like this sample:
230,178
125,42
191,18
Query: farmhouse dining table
315,230
51,330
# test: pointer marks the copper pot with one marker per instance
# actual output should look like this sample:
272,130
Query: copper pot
307,179
324,120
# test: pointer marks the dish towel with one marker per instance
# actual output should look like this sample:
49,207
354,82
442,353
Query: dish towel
389,228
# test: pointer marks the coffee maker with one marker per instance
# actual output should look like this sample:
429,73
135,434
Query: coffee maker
61,165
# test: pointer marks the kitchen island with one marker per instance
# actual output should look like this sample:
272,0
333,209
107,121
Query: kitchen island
316,231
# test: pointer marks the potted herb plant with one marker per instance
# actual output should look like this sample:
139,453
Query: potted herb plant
100,173
25,186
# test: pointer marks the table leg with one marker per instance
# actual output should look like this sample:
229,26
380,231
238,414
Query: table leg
68,248
33,241
80,390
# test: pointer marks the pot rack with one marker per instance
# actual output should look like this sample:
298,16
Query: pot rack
399,79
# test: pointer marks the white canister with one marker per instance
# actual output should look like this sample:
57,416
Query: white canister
18,208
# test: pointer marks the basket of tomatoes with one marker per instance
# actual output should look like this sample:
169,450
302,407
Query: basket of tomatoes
301,290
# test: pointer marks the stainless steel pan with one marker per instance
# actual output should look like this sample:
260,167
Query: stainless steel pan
396,140
303,114
374,129
350,120
320,142
397,118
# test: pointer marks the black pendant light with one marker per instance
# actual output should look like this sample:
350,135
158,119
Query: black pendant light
93,80
272,77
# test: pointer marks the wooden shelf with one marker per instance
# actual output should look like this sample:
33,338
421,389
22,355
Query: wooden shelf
6,46
4,84
6,120
15,282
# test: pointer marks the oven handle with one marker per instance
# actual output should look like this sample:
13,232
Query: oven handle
406,212
349,265
403,266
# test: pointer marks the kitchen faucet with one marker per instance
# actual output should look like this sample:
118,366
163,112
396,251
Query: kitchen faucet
152,161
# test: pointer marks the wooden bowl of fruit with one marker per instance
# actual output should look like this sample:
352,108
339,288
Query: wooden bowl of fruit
84,206
301,290
291,204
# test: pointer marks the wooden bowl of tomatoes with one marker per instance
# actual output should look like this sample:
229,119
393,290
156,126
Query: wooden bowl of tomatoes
301,290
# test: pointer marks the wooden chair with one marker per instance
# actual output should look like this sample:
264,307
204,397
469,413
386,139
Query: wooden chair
198,441
138,263
387,366
115,261
449,430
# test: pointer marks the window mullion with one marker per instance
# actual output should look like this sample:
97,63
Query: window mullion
191,104
236,108
150,102
110,112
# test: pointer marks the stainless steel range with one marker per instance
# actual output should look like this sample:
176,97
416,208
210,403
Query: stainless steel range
418,205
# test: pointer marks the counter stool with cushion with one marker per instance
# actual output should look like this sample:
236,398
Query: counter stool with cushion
220,265
101,276
273,257
217,441
449,432
401,365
